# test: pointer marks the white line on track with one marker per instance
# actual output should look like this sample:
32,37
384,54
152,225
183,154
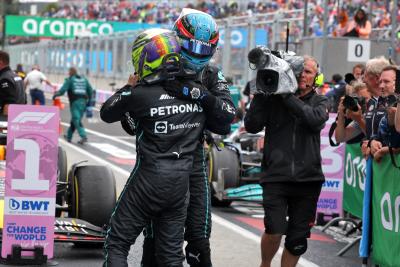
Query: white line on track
249,235
123,137
90,155
113,138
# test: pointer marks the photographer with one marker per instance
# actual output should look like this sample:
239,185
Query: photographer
335,94
358,71
350,124
372,115
292,176
386,135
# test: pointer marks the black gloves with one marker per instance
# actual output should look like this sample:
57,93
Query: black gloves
184,89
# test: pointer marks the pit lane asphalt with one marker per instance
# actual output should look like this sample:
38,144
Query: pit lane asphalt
236,230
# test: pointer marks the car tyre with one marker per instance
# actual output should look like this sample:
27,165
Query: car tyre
228,159
93,194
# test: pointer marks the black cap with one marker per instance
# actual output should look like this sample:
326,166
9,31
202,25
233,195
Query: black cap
349,77
337,78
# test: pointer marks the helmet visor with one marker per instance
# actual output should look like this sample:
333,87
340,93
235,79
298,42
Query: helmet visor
197,48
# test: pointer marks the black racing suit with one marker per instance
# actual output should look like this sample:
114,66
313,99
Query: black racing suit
220,112
11,88
168,131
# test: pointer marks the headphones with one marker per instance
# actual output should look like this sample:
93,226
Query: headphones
319,77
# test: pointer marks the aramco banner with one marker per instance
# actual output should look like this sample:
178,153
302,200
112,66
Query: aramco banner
67,28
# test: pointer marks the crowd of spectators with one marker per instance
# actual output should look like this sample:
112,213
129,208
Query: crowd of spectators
340,12
366,105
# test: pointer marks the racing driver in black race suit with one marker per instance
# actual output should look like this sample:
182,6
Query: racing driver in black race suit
198,36
198,221
168,133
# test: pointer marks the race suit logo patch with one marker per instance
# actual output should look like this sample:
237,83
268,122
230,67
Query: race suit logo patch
221,77
185,91
195,93
161,127
166,97
175,109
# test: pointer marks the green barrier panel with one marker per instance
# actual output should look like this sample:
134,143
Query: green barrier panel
386,213
354,180
66,28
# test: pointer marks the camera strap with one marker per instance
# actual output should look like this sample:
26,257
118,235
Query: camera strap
331,130
392,157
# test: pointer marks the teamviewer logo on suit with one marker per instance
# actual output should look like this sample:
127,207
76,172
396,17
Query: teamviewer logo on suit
161,127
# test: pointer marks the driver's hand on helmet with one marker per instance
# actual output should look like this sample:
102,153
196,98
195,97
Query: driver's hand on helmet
133,79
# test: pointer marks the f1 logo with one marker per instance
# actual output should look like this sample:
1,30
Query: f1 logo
161,127
30,116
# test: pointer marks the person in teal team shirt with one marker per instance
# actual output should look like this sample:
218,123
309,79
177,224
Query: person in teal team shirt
235,93
79,93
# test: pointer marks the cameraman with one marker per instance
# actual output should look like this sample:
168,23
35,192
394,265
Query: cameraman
386,135
351,124
292,176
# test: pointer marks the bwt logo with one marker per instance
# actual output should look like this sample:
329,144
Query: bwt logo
31,205
161,127
332,185
29,116
14,204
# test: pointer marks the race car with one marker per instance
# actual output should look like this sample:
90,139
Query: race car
85,198
234,166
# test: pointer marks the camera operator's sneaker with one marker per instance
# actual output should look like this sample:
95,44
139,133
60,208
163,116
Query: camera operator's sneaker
83,141
67,139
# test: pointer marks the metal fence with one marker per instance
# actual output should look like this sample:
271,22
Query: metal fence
109,56
100,56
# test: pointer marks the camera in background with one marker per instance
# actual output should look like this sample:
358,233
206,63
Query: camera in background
277,71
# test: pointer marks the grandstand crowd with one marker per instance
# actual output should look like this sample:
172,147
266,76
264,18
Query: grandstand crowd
340,12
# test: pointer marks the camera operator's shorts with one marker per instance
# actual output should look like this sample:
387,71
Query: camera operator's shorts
297,201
